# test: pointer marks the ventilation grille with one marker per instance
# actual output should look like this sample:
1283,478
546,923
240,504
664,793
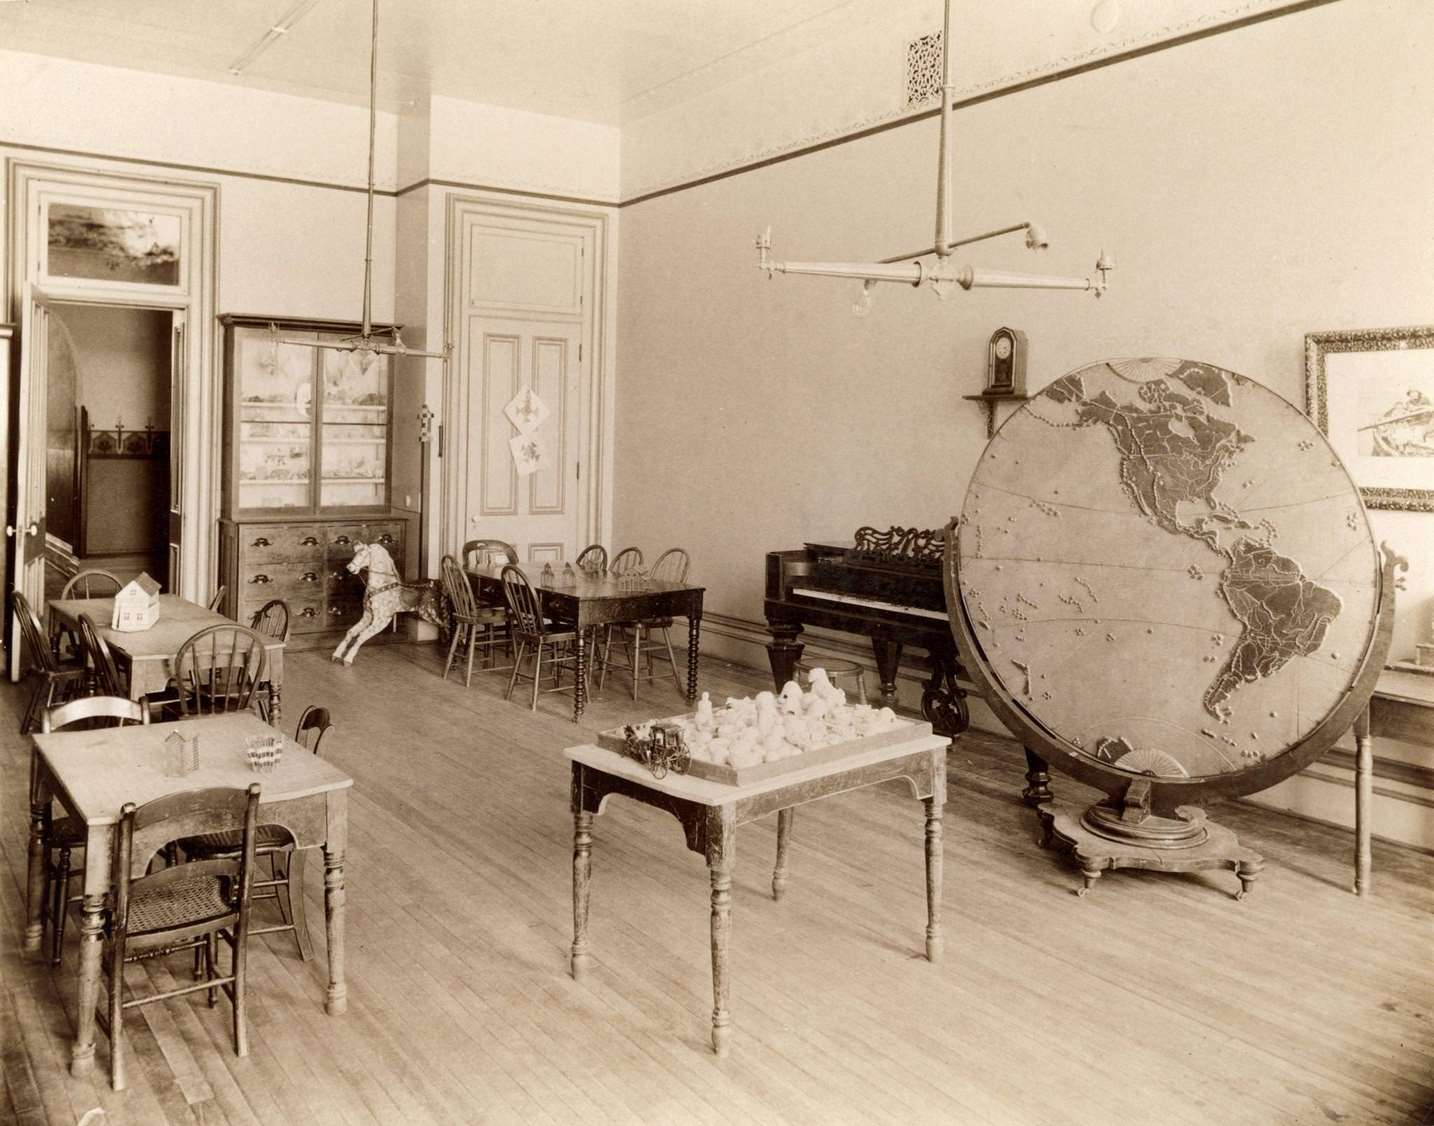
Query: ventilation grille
923,69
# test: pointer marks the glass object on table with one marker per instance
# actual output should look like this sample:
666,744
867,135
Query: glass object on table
275,423
355,430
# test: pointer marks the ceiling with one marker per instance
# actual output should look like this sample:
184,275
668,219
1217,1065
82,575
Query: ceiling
596,60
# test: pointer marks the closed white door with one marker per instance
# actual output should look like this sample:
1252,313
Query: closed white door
519,411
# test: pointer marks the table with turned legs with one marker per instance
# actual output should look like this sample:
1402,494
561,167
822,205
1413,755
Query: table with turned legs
710,813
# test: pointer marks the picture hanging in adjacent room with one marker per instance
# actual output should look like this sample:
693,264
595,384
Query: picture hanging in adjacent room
1371,391
108,244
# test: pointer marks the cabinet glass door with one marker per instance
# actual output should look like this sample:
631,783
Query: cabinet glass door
355,430
276,420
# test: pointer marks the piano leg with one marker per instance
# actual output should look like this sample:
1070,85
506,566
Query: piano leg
888,660
1038,780
784,651
943,702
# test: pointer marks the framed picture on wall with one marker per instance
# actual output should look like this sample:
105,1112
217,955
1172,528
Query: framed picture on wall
1371,391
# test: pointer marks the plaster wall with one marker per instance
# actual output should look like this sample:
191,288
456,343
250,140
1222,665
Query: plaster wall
1253,186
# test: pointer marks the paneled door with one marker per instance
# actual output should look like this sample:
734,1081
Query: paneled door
520,415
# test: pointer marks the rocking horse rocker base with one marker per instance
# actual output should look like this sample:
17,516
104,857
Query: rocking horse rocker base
385,596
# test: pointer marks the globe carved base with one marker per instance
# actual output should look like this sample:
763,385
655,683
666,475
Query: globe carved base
1097,853
1185,830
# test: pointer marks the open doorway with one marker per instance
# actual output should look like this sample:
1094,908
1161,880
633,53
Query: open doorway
107,450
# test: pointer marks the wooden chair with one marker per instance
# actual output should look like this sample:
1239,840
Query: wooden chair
479,554
218,669
671,566
286,863
270,620
467,616
531,631
593,559
66,835
216,602
56,680
185,906
92,584
626,561
103,669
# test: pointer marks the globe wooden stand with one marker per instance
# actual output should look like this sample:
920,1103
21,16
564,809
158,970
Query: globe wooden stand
1126,835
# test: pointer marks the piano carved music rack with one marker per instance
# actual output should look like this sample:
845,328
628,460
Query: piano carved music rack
886,586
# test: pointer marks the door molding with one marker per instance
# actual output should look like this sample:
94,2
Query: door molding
596,395
196,410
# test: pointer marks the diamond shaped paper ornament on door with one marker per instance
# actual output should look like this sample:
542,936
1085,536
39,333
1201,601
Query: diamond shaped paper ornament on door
526,411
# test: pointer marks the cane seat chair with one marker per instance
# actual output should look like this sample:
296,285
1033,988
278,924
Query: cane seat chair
103,670
468,616
532,633
639,646
275,844
218,670
92,584
592,559
184,906
56,680
64,836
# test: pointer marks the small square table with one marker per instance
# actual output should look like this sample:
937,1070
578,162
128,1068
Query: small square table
149,654
94,773
710,812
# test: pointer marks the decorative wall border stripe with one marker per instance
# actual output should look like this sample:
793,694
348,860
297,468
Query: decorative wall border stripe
992,94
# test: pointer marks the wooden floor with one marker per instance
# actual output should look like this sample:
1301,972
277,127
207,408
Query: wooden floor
1156,999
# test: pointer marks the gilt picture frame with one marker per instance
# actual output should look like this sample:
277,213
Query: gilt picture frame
1371,392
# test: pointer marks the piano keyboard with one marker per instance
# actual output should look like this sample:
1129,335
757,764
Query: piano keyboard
874,603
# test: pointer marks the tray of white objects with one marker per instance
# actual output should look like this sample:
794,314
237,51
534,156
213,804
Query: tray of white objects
759,737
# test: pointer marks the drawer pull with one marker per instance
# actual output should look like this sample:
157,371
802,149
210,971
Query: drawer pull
335,611
308,541
339,574
260,579
260,542
309,577
342,539
386,538
308,612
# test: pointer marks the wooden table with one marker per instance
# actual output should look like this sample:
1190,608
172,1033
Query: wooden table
93,773
1402,707
710,813
148,655
600,600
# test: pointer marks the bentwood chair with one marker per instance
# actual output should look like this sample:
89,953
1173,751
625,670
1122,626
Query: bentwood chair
285,883
532,632
66,835
671,566
218,669
181,907
593,559
55,680
468,616
92,584
103,669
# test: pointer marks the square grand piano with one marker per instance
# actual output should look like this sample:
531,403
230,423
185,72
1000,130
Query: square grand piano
886,586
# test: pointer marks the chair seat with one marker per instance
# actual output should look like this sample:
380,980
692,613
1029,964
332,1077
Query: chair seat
181,904
486,616
218,844
67,832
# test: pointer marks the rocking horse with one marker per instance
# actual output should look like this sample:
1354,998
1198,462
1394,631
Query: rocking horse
385,596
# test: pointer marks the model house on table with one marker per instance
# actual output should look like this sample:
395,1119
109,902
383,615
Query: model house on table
136,605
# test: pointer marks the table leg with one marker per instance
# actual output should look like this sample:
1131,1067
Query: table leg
92,916
721,875
337,1000
934,807
274,701
785,818
35,871
580,689
694,630
1363,796
582,873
